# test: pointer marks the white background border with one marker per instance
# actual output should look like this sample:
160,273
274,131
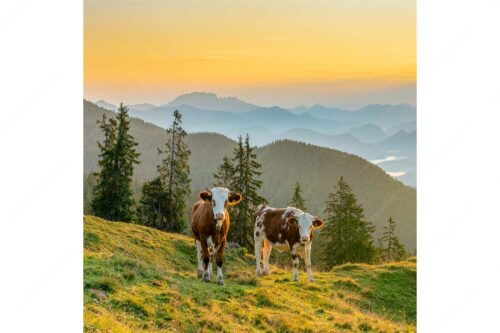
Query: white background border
41,165
458,144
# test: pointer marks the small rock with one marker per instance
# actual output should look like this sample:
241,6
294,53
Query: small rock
233,245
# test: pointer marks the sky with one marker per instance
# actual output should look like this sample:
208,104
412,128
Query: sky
337,53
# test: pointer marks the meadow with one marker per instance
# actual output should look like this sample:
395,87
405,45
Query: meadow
139,279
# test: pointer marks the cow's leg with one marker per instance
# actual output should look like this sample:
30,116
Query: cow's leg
219,260
199,255
307,254
206,260
267,253
211,249
258,238
295,260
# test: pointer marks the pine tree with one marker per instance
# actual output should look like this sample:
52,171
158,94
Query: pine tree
394,250
153,204
297,200
348,235
163,199
225,173
113,192
245,181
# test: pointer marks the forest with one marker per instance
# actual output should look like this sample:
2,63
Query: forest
306,178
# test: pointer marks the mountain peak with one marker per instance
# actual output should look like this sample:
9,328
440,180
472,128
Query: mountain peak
106,105
210,101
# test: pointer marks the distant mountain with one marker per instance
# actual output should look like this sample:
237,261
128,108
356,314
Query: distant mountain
194,119
359,132
108,106
384,116
268,121
279,119
321,111
141,107
284,162
210,101
408,126
261,135
387,115
368,133
400,142
343,142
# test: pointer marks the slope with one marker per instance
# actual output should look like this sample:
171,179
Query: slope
284,162
137,279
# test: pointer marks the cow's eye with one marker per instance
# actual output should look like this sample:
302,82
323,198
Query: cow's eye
225,204
213,203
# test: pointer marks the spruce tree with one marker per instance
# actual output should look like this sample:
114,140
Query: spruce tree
348,235
112,195
163,199
225,173
153,204
394,250
297,200
246,182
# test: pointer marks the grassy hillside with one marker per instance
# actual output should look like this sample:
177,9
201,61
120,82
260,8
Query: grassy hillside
138,279
284,162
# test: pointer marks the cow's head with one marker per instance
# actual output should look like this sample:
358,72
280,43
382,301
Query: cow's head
220,198
306,223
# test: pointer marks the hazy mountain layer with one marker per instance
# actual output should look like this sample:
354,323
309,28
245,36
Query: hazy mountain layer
284,162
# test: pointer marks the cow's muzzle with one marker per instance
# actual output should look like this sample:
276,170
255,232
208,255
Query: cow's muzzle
219,218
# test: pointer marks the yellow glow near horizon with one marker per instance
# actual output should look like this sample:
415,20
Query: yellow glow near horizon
151,45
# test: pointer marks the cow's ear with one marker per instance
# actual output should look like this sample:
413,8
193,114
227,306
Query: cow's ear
205,196
317,223
292,221
234,198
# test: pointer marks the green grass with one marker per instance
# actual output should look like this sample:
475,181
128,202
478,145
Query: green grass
138,279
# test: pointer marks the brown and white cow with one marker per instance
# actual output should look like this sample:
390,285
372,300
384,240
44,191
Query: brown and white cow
284,226
210,224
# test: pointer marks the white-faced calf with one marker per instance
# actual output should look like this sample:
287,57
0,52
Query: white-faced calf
210,224
284,226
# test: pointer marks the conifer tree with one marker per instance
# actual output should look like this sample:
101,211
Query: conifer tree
348,235
225,173
113,191
153,204
246,182
163,199
394,250
297,200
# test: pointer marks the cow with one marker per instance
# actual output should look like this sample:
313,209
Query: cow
210,224
284,226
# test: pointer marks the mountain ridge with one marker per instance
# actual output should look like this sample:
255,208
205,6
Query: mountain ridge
283,162
211,101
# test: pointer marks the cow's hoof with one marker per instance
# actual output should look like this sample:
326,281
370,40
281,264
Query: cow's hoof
295,279
265,272
200,274
220,281
206,277
311,280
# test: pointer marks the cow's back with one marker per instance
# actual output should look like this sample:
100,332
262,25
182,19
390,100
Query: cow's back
273,223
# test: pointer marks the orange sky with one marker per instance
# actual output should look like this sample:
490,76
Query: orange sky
268,52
